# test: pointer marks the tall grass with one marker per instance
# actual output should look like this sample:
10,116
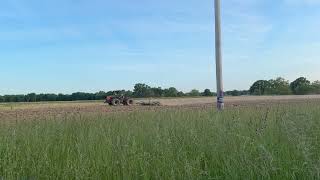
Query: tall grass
276,142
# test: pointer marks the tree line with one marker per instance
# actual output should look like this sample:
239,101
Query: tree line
278,86
281,86
140,91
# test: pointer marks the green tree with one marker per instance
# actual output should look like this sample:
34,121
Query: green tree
237,93
32,97
207,92
128,93
261,87
157,92
180,94
316,87
17,98
279,86
194,92
234,93
142,90
301,86
64,97
81,96
100,95
50,97
171,92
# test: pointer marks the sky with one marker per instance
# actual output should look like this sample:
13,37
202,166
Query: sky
65,46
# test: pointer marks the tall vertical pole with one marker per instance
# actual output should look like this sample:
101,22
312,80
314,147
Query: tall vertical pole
220,93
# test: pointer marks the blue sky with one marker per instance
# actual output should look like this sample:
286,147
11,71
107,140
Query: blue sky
80,45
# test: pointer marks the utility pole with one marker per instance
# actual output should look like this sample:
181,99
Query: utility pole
220,93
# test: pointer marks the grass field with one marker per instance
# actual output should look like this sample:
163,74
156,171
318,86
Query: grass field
275,141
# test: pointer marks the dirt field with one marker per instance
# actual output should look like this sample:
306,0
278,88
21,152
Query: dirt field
240,100
35,110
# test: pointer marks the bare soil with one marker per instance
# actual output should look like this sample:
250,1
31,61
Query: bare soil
241,100
26,111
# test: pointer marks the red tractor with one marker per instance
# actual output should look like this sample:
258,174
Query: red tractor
119,100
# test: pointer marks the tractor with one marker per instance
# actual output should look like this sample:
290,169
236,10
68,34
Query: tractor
119,100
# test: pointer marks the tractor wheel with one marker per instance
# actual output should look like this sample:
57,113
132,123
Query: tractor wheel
115,102
129,102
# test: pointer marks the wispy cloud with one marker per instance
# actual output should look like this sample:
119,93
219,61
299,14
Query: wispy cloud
245,24
157,40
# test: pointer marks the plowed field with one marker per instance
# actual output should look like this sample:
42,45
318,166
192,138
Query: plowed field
23,111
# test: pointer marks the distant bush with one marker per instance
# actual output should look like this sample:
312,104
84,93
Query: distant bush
194,93
207,92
